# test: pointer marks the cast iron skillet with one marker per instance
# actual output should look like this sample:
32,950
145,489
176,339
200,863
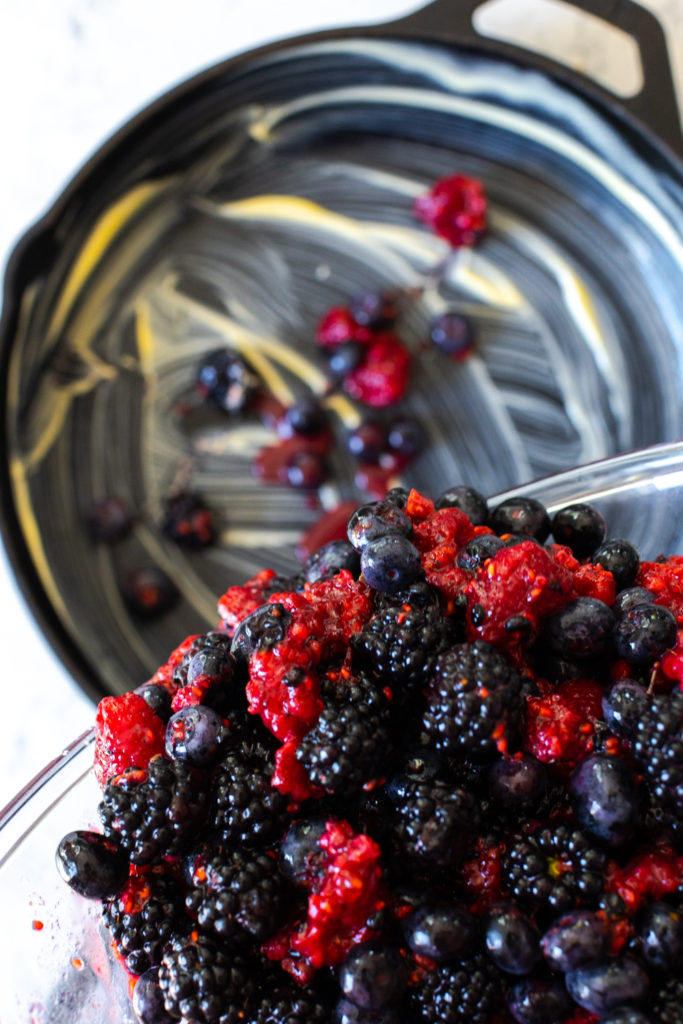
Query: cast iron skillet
237,208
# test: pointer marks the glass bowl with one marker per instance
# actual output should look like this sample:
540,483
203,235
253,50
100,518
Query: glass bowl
56,964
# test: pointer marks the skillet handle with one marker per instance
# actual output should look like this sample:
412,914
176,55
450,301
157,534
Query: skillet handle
655,107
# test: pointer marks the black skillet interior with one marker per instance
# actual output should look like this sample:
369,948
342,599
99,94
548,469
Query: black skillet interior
238,209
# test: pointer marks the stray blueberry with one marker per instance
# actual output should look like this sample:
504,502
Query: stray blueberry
368,441
372,976
511,940
441,932
150,592
91,865
607,985
226,381
109,521
453,334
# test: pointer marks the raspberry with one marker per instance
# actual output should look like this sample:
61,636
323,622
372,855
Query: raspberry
127,735
239,601
382,377
455,209
561,726
654,873
338,326
665,581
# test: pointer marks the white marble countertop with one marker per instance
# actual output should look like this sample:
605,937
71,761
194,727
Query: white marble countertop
71,72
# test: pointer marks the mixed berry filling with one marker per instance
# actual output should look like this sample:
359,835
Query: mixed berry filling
434,778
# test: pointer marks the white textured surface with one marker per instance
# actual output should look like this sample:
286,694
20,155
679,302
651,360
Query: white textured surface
71,72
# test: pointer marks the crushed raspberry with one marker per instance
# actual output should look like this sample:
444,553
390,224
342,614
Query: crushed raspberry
523,580
239,601
448,526
665,581
455,209
655,874
338,326
671,662
272,463
128,734
589,580
289,776
482,875
164,675
418,507
343,897
382,378
560,726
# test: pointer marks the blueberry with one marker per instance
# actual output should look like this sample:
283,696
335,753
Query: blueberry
441,932
469,501
604,986
306,471
372,976
620,558
198,736
379,519
91,865
605,799
473,554
372,309
225,380
577,939
522,517
306,417
397,496
626,1015
390,564
148,999
518,781
407,437
188,521
580,527
660,934
212,663
346,1012
158,698
330,559
541,1000
109,521
368,442
453,334
623,707
629,598
511,940
300,856
643,633
149,592
583,629
260,630
345,358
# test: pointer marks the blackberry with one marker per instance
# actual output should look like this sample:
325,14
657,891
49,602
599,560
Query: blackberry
474,701
287,1004
246,809
149,592
143,917
658,746
435,822
239,896
555,869
205,983
153,812
667,1007
398,647
462,993
347,746
189,521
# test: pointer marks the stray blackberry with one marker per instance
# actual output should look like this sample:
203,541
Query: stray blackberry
204,982
246,810
154,812
239,898
398,647
287,1004
347,746
435,822
554,869
143,917
668,1003
474,701
460,993
658,746
189,521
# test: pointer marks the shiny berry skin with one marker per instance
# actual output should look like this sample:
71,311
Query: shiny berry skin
109,521
606,985
260,630
372,309
149,592
306,470
397,496
626,1015
579,527
300,857
306,417
380,519
198,736
518,781
643,633
158,698
227,382
453,334
583,629
330,559
148,999
469,501
660,936
574,940
407,437
629,598
455,209
623,707
541,1000
522,517
368,441
345,358
441,932
620,558
473,554
346,1012
605,799
390,564
372,976
511,940
91,865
